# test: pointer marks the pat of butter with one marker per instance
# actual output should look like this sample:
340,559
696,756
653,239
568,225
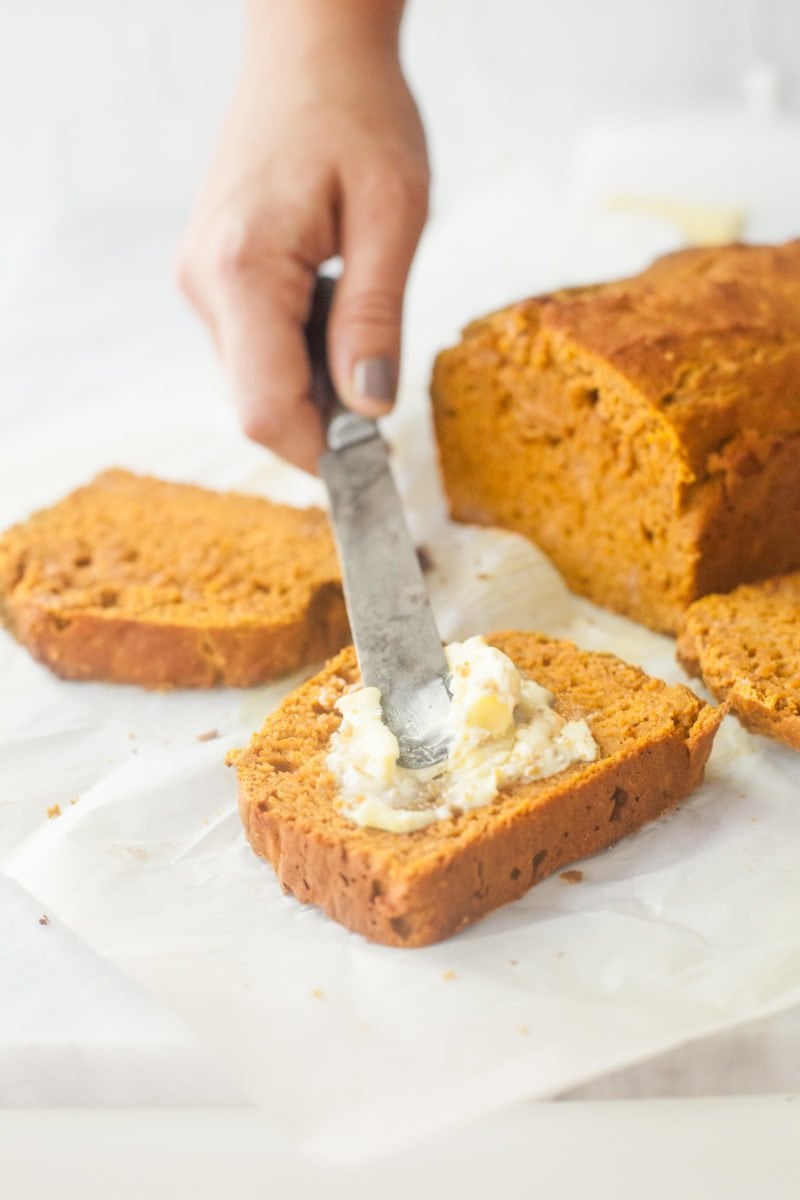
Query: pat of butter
701,224
491,714
502,728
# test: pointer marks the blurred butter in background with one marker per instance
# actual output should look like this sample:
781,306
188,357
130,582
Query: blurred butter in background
714,171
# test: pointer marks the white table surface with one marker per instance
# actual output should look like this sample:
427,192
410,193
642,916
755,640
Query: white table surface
738,1148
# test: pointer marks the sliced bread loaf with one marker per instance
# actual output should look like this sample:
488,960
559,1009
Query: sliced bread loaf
644,432
411,889
134,580
746,648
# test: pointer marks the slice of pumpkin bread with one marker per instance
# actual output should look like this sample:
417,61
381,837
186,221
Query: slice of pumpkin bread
645,433
411,889
746,648
134,580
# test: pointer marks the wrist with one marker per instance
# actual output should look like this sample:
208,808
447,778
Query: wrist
305,31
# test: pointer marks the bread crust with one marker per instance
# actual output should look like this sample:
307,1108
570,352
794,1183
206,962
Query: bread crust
645,432
164,656
411,890
134,580
745,646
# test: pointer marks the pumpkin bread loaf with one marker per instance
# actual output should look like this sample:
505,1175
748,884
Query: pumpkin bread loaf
746,648
645,433
411,889
133,580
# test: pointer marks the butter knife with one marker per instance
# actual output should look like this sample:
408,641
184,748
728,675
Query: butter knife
397,643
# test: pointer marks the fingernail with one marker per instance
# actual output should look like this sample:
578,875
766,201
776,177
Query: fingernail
375,383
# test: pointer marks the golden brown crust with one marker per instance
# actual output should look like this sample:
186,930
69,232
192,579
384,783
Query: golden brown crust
414,889
133,580
645,433
746,648
163,656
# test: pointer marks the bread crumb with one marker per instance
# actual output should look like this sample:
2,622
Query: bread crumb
448,975
523,1029
326,699
571,876
318,993
53,811
208,736
484,578
513,962
75,800
44,919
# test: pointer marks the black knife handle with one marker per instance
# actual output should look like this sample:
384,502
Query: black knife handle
323,392
342,427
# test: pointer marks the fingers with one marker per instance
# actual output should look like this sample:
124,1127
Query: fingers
382,218
264,350
255,293
257,305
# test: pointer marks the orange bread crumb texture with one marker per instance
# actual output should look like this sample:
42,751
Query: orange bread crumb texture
131,579
645,433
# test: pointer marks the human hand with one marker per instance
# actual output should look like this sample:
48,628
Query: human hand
323,153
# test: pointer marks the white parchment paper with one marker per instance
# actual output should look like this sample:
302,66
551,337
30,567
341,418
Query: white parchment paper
685,928
74,1031
691,926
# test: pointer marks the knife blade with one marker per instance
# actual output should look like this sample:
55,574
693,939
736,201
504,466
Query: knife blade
397,643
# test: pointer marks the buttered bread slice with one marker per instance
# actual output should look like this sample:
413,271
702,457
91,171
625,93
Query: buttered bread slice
635,747
134,580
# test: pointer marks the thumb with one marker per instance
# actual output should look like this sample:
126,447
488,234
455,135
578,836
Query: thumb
380,230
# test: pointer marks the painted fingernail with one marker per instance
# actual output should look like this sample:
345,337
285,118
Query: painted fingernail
375,383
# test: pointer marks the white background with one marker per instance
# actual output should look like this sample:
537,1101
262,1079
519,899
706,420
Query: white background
105,103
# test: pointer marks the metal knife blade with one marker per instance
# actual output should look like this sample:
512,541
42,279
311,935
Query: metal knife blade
398,645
